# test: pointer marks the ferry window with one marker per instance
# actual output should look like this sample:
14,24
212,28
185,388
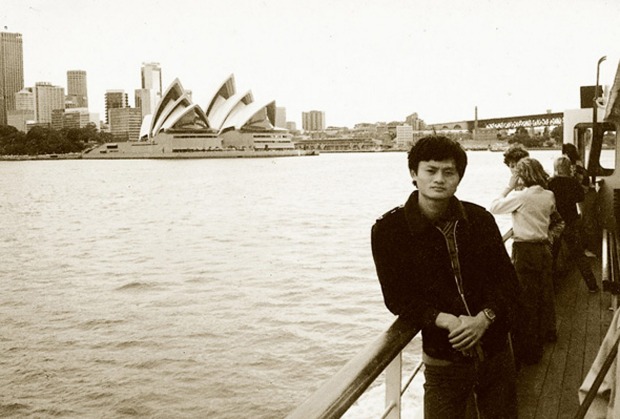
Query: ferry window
607,158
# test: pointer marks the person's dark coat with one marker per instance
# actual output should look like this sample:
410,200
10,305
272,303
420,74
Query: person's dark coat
413,265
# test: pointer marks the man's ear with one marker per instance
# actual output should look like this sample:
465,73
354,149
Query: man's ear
414,176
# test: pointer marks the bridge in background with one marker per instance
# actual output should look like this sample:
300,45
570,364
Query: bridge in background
511,122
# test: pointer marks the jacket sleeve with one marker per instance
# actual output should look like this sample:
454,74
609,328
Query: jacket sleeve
409,306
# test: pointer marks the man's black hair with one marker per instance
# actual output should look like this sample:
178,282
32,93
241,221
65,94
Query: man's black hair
438,148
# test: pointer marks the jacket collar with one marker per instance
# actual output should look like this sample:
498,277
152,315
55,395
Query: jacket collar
418,222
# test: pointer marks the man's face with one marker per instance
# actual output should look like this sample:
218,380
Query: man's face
436,179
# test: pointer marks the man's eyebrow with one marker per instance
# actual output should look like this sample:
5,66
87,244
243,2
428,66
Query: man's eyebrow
437,166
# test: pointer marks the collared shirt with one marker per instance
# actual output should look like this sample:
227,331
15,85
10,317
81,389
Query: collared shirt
531,210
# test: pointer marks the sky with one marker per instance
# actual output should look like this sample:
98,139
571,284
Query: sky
356,60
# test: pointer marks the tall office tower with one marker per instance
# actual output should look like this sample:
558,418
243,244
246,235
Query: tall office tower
151,90
151,77
11,71
77,92
313,121
114,99
280,117
47,98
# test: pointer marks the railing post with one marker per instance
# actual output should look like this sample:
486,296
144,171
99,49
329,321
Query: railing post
393,380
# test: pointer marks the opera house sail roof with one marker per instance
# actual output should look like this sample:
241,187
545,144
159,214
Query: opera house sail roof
227,111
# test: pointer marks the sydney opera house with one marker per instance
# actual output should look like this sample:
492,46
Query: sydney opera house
233,125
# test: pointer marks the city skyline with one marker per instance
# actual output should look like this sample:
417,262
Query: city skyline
369,62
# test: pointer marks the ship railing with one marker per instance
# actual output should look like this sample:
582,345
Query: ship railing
334,398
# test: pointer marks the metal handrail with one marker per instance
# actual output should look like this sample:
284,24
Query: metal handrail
343,389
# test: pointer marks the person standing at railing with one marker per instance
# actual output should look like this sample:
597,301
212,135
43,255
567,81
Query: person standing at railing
568,193
589,224
443,268
532,209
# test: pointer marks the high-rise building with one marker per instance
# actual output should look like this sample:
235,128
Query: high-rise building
151,77
125,123
313,121
47,98
150,94
24,99
77,92
24,109
280,117
11,71
72,118
114,99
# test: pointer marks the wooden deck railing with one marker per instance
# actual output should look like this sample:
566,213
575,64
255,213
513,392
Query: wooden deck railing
342,390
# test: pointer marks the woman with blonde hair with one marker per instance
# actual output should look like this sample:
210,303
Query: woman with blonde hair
531,209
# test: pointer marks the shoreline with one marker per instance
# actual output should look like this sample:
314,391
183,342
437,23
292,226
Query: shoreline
227,154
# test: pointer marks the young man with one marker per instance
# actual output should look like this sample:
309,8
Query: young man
443,268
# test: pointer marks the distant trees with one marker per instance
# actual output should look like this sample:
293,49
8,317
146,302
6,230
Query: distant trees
40,140
544,139
558,134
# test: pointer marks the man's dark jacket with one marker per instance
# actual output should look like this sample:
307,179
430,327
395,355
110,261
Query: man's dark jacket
413,265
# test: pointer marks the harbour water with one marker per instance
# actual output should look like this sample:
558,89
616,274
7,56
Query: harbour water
194,288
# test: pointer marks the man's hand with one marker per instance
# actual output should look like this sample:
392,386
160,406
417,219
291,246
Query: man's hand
447,321
468,333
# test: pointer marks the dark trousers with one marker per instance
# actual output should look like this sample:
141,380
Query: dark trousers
461,390
536,316
572,236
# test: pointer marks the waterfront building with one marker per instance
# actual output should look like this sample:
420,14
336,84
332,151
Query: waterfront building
47,98
291,126
404,136
19,118
11,71
125,123
73,118
280,117
57,119
77,91
313,121
114,99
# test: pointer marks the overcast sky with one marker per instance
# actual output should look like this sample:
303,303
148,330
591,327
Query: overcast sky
357,60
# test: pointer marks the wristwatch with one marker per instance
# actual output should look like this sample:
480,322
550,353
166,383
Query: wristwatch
490,314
